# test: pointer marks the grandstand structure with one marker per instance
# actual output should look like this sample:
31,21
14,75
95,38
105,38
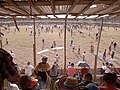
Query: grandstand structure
60,10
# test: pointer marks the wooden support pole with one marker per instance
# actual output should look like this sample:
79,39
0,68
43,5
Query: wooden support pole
34,44
65,46
16,24
96,56
0,39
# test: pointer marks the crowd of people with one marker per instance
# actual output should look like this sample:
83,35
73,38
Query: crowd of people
38,78
41,76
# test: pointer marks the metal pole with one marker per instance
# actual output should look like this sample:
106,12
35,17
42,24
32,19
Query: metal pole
34,44
65,46
96,56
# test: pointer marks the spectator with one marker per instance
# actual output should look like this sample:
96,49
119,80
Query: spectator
69,65
29,69
71,70
41,71
87,79
7,70
109,80
26,83
14,87
107,68
103,69
67,83
54,70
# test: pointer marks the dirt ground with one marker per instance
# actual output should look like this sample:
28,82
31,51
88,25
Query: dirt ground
22,45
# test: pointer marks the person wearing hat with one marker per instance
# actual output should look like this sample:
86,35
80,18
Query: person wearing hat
67,83
109,80
41,71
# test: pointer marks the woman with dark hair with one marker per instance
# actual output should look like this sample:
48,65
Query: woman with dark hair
27,83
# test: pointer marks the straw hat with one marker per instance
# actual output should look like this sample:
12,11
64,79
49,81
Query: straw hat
71,82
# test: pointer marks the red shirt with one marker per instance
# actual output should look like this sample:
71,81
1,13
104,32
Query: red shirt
71,71
108,88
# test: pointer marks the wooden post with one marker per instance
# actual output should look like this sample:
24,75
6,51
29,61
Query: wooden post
0,42
0,39
96,56
65,46
34,44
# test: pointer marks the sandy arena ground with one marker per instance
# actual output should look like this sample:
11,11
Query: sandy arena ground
22,45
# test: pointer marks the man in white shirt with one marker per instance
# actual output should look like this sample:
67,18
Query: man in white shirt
29,69
107,68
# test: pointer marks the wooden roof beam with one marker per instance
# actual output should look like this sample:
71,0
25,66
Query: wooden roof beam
2,14
112,4
36,8
73,6
53,7
14,4
9,10
15,23
86,8
60,2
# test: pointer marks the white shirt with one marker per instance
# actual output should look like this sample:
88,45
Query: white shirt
12,54
107,70
14,87
28,70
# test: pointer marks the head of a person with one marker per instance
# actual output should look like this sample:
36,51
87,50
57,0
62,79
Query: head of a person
69,62
110,78
27,83
71,83
88,77
44,59
107,63
103,64
72,64
28,63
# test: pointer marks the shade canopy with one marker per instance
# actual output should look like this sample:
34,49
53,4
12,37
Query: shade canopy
60,8
83,64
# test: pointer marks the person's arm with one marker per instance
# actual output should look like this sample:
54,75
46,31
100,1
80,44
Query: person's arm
10,72
36,72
